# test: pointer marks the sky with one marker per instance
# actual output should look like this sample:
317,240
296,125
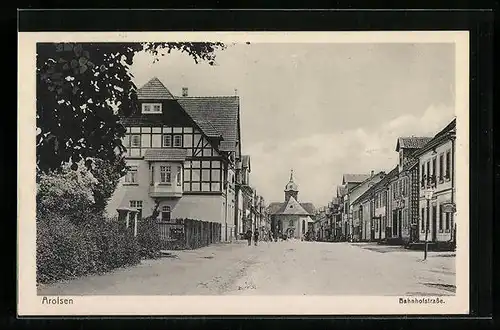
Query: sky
322,109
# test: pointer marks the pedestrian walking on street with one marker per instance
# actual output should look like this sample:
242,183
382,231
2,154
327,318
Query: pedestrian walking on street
256,237
270,236
249,237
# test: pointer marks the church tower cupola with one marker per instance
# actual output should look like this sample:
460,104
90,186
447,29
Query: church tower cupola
291,188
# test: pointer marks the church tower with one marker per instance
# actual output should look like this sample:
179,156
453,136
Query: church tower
291,188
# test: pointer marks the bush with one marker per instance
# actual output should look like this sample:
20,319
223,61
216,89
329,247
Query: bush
66,249
148,237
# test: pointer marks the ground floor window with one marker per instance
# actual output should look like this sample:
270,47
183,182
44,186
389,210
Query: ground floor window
165,213
137,205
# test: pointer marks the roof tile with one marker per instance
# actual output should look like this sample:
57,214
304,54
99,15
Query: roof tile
154,90
412,142
221,111
165,154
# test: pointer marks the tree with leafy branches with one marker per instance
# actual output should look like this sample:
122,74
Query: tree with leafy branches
82,90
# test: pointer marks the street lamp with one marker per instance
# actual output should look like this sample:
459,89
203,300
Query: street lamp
428,197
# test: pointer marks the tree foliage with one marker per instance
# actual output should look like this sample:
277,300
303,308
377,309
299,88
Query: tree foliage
65,192
83,88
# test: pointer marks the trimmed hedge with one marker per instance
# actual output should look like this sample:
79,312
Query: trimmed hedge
148,237
67,250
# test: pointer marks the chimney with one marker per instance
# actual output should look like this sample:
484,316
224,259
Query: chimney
184,91
372,173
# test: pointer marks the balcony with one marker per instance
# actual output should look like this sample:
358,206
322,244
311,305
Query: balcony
165,190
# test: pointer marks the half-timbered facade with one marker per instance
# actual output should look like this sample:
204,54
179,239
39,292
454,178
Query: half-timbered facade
181,153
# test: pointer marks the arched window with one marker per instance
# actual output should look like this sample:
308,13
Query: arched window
165,213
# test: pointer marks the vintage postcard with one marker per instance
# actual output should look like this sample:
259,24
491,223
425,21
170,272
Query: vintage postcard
283,173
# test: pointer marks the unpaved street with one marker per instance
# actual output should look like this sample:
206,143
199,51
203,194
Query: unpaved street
292,268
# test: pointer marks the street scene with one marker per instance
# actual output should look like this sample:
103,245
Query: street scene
276,268
170,168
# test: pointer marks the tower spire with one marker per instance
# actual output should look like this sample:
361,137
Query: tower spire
291,175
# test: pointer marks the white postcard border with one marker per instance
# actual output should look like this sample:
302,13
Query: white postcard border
29,304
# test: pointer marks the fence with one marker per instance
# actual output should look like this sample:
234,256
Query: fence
188,234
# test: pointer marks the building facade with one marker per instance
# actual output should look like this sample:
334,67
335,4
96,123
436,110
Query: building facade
357,213
437,187
349,182
402,197
182,154
290,217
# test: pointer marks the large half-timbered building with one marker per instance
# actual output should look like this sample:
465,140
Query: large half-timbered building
182,152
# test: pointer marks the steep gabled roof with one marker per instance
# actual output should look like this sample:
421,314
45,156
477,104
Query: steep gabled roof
354,178
155,90
221,111
292,207
309,207
412,142
207,128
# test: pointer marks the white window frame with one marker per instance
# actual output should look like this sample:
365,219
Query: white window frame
131,176
179,175
169,145
151,108
166,209
135,204
132,145
165,174
177,136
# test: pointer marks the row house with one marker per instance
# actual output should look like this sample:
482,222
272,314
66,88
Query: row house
181,153
436,200
243,193
402,190
349,182
336,217
361,208
357,213
321,224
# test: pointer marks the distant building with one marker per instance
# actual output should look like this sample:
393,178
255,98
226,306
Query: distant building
349,182
291,217
360,208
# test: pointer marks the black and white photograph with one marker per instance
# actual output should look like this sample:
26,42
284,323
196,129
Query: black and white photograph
244,172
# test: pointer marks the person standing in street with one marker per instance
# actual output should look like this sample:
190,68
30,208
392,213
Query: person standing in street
249,237
256,237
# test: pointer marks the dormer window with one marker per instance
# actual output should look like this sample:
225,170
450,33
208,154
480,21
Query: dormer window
151,108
